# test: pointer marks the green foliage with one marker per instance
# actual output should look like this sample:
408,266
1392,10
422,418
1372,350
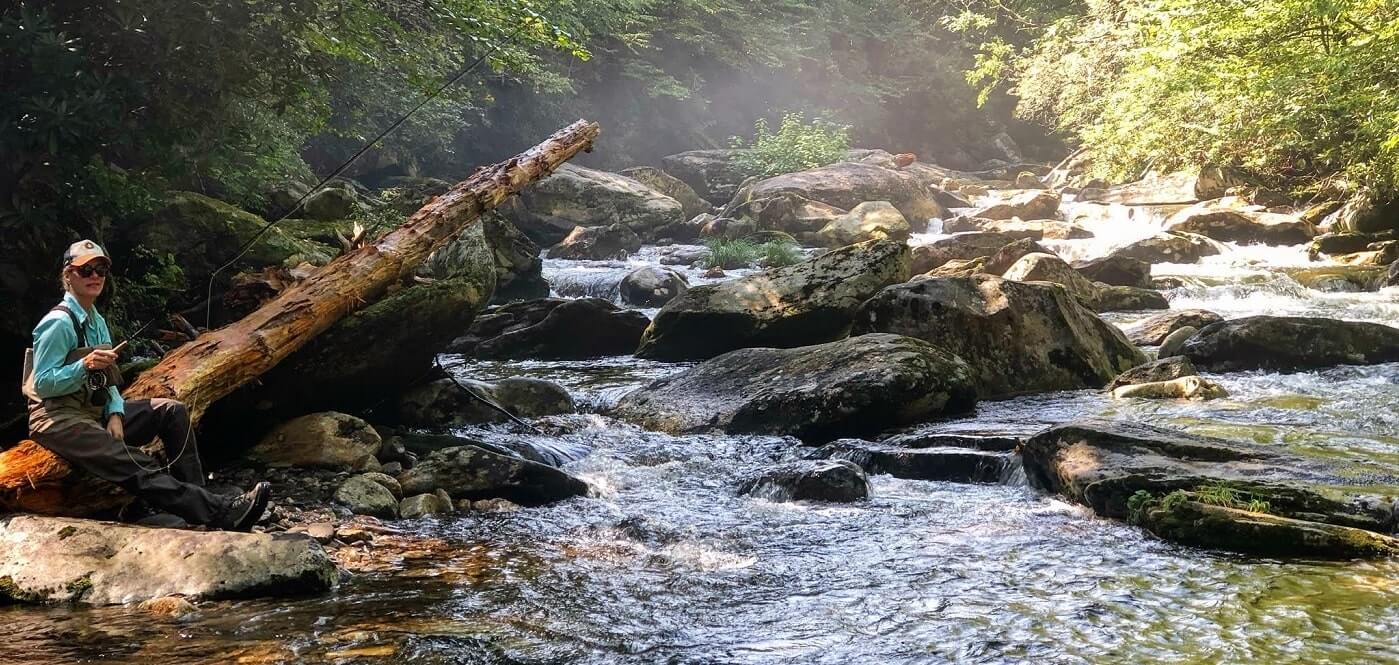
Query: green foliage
747,253
778,253
797,145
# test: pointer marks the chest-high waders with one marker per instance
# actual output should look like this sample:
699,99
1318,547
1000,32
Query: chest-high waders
71,427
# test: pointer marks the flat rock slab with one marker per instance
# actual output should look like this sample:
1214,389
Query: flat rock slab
54,559
958,465
1290,343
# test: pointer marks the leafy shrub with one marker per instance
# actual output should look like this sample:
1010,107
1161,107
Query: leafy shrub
797,145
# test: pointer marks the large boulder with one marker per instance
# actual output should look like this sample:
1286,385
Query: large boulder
519,272
675,188
446,403
325,440
848,184
714,174
1169,247
787,212
1018,337
1031,204
471,472
1098,297
853,387
334,202
871,220
1364,212
553,328
1290,343
1116,271
597,243
1039,229
810,480
1119,468
1009,255
1154,330
1165,369
1189,186
55,559
1241,226
806,303
961,247
576,196
652,286
936,462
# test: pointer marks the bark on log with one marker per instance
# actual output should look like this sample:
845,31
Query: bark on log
218,362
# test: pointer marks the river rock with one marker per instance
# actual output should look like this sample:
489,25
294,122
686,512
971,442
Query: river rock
872,220
1046,229
1206,525
575,196
652,286
852,387
54,559
597,243
675,188
1175,342
444,403
964,246
472,473
1169,247
1391,277
1166,369
1153,331
389,482
423,505
364,496
1188,186
1116,271
788,212
1018,337
1346,243
1102,464
1098,297
1364,212
713,174
1375,254
956,268
848,184
1185,387
519,272
553,328
948,464
1241,226
326,440
1033,204
824,480
331,203
807,303
1291,343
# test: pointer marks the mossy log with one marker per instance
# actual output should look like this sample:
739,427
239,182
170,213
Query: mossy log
218,362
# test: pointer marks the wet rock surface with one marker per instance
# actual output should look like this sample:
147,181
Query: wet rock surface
471,472
553,328
652,286
1153,331
833,481
1017,337
808,303
447,403
945,463
1290,343
1169,247
1164,369
847,388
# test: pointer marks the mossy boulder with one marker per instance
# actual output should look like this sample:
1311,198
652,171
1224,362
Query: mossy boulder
574,196
1291,343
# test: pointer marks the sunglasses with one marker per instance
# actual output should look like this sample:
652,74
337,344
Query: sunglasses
89,270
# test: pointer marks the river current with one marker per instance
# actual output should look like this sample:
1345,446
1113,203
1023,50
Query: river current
666,563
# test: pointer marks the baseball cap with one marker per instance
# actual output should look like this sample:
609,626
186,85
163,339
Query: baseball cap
82,252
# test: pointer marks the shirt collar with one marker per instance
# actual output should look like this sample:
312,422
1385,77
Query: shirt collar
73,304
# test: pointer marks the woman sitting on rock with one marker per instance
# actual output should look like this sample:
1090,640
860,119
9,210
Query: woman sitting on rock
76,412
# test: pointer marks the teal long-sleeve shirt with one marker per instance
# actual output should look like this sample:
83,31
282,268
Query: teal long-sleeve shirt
54,339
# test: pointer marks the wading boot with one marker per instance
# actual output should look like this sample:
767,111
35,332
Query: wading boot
244,510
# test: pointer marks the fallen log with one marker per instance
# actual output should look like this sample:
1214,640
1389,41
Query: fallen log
220,361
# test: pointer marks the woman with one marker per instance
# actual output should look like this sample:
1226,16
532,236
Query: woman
76,414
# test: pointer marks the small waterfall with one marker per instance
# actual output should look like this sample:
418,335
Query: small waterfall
1013,473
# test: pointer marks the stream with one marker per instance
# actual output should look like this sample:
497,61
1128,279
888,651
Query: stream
667,564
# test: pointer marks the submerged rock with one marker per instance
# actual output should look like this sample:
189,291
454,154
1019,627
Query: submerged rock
652,286
1185,387
949,464
1289,343
54,559
807,303
835,481
553,328
1017,337
852,387
574,196
872,220
1105,464
472,473
1169,247
1153,331
326,440
444,403
1165,369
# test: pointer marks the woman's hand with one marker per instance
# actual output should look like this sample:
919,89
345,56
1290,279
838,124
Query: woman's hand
116,428
99,359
